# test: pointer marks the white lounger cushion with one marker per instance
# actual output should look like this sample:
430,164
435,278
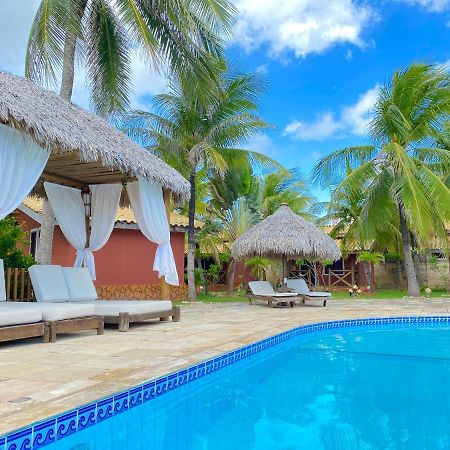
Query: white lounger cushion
82,289
114,307
264,288
49,284
300,286
19,313
62,311
79,284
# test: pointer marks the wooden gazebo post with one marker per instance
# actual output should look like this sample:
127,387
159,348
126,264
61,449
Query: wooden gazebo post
165,288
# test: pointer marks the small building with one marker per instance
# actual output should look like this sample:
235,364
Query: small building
124,266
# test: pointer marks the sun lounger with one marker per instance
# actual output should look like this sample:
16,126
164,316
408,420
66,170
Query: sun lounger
120,312
52,298
22,320
19,320
263,290
299,285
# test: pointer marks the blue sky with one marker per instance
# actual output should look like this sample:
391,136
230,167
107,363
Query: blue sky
323,60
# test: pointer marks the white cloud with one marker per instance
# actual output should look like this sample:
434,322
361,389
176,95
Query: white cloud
429,5
353,119
301,26
262,143
356,117
323,127
262,69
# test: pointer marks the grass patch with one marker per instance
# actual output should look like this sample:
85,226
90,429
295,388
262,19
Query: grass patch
381,294
221,297
384,294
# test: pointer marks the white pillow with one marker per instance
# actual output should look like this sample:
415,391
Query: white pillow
79,284
49,284
2,282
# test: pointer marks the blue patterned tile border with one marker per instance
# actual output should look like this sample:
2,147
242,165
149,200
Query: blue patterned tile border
48,431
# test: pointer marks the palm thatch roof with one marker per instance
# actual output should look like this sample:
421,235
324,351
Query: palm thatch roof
85,149
285,234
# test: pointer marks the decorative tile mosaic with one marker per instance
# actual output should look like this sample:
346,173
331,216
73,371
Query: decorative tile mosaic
46,432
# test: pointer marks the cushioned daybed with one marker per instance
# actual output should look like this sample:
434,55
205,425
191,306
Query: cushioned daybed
20,321
52,298
120,312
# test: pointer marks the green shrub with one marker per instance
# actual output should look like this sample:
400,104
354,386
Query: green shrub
12,237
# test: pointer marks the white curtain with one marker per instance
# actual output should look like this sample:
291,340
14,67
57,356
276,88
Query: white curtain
22,162
67,204
147,203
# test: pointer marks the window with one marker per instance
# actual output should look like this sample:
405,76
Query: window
34,241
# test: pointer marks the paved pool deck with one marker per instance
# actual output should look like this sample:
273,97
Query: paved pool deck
39,380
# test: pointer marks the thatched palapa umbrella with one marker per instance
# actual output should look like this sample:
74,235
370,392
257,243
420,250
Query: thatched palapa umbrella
285,235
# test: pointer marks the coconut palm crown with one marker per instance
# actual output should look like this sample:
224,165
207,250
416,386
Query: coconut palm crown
401,172
179,34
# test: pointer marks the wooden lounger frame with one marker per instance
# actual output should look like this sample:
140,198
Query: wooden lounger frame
49,330
27,330
273,301
124,319
76,324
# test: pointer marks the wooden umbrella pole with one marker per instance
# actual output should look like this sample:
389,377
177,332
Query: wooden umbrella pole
285,269
165,288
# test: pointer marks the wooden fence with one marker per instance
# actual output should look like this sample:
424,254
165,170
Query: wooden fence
18,285
327,278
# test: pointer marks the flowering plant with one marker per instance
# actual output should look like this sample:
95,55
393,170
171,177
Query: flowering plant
354,291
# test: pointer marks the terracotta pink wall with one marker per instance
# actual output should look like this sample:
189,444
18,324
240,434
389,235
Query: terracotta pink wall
127,258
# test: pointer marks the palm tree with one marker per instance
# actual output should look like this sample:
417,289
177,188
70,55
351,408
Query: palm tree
280,187
102,34
228,225
180,34
400,172
195,129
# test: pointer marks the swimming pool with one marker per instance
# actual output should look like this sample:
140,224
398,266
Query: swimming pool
361,384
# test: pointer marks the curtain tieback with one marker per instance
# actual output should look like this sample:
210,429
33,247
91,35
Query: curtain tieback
85,258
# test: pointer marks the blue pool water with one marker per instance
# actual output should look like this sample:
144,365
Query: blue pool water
349,388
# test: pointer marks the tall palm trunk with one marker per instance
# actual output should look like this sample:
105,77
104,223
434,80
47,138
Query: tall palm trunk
231,276
192,294
44,251
413,287
448,281
44,254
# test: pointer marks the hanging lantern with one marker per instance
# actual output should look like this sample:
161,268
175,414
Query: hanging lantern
86,195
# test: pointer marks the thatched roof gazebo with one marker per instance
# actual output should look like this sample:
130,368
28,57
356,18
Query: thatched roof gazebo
285,235
85,149
48,142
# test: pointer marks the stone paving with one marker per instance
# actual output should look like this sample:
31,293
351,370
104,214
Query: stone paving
40,380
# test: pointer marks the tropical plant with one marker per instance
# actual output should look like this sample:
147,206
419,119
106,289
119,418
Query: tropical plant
230,225
400,172
194,131
12,240
258,266
280,187
369,259
179,34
